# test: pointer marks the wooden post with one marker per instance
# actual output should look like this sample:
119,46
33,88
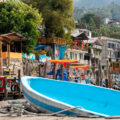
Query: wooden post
101,76
9,58
45,69
21,45
5,90
39,70
27,68
68,72
19,78
54,71
1,60
106,83
62,69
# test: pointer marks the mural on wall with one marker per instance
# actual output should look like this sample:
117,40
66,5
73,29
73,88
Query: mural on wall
44,58
31,56
56,51
59,51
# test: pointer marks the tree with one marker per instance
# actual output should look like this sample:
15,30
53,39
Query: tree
57,16
21,18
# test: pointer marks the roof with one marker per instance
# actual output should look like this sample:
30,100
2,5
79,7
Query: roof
9,37
95,40
103,38
80,36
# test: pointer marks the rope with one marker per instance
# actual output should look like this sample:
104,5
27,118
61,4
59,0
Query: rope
20,109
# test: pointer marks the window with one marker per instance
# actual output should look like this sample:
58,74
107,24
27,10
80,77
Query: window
70,55
118,46
76,56
82,57
79,55
109,45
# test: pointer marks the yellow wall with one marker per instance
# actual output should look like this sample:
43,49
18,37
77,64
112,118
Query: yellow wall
13,55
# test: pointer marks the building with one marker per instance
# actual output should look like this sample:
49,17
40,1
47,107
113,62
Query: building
77,33
76,53
110,53
111,50
110,22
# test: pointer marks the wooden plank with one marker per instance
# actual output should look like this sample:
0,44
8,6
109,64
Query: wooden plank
1,60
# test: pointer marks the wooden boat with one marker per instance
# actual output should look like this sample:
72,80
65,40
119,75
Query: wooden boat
51,95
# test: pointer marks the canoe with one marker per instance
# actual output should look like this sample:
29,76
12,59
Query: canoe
51,96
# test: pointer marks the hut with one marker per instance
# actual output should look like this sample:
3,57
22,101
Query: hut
11,53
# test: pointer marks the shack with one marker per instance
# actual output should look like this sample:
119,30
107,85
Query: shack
11,53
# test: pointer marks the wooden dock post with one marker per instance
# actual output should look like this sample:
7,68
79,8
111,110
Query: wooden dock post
19,78
5,90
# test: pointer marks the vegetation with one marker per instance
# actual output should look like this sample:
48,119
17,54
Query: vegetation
95,24
110,11
93,3
57,16
22,18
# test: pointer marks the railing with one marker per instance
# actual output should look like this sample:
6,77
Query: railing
51,41
13,55
79,48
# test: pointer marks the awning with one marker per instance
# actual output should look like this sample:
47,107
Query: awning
84,67
64,62
40,47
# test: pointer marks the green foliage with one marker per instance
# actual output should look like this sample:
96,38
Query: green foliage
21,18
90,21
111,11
96,25
57,16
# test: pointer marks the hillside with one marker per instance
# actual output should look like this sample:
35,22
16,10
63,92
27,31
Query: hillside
93,3
111,11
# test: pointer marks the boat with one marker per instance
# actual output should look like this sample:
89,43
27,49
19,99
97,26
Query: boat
52,96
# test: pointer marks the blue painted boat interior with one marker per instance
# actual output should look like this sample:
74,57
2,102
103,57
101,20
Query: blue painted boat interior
92,98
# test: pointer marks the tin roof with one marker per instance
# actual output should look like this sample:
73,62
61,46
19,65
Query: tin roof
9,37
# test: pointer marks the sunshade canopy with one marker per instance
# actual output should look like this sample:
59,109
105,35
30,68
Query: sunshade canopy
84,67
64,62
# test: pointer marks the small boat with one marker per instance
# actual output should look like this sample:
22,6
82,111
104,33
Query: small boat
51,96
